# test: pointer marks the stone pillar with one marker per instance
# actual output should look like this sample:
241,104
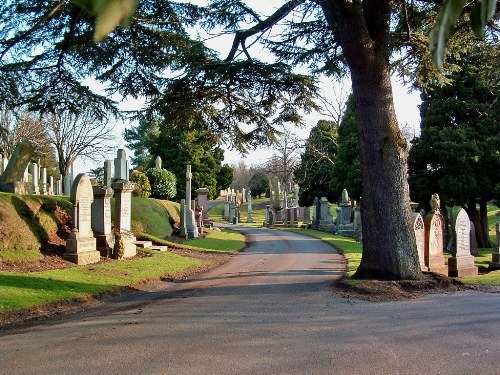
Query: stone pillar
316,214
81,244
307,215
462,262
344,216
158,162
123,217
358,227
101,221
203,202
44,180
35,174
192,230
495,256
51,185
266,220
434,240
108,173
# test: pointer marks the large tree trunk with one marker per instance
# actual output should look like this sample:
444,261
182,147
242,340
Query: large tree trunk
389,248
485,229
480,221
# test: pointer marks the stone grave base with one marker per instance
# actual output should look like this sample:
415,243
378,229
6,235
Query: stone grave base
327,226
346,230
495,261
130,249
87,257
104,244
436,265
18,187
461,266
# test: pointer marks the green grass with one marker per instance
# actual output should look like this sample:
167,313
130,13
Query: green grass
224,240
20,290
150,216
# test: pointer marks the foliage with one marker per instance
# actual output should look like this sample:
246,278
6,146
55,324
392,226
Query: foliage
97,176
313,174
178,148
163,183
458,151
142,187
258,184
346,173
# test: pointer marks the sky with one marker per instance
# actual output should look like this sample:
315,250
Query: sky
406,103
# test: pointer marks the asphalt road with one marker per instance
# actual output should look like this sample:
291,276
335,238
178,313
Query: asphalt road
270,310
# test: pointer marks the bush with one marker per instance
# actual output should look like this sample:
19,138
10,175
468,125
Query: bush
142,187
163,183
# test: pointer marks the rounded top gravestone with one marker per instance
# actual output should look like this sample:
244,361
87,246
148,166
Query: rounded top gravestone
462,232
82,196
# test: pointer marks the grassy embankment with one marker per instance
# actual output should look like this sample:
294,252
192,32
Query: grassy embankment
33,226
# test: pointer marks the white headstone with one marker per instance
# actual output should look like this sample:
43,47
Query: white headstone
44,180
158,162
462,262
121,170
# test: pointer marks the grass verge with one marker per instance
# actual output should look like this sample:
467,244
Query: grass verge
21,290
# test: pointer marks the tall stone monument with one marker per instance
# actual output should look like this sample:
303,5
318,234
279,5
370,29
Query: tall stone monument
158,162
81,244
108,173
123,217
35,173
434,226
192,230
344,209
101,221
12,178
249,207
462,262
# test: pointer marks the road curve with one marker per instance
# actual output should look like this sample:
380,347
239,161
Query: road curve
268,311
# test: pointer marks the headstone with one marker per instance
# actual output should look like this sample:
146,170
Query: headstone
81,244
182,227
419,229
123,217
316,214
44,180
434,227
121,170
344,209
266,219
158,162
203,202
307,215
192,230
243,195
232,212
108,173
226,210
101,221
199,219
326,223
462,262
495,256
294,217
59,186
12,179
67,184
249,207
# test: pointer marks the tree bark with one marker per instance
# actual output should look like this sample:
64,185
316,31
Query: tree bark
389,247
485,230
476,220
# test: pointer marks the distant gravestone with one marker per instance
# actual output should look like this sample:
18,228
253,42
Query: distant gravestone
316,214
81,244
307,215
344,209
358,227
249,207
419,229
462,262
203,202
101,220
158,162
473,241
495,256
266,219
123,216
12,179
51,186
67,184
434,227
34,170
44,180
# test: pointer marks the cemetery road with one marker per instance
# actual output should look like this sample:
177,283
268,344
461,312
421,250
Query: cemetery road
269,310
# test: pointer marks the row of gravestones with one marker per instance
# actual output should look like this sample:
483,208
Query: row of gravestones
233,202
92,235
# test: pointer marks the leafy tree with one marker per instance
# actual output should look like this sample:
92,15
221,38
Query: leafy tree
258,184
224,177
313,174
97,176
458,152
163,183
215,96
142,187
346,173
